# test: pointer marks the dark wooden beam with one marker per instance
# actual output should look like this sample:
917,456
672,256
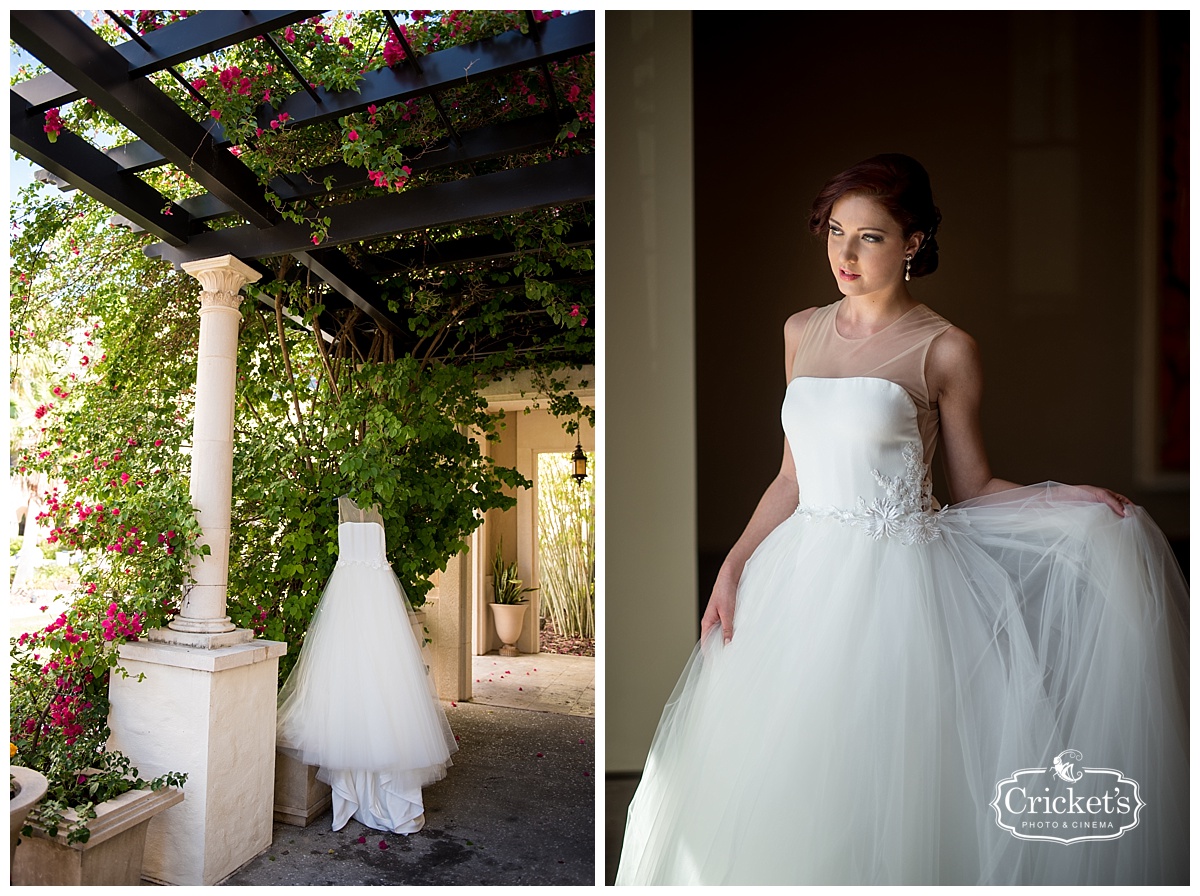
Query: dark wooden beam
459,251
183,40
84,167
561,182
73,50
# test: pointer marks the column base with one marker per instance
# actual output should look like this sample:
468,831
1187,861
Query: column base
202,640
201,626
209,713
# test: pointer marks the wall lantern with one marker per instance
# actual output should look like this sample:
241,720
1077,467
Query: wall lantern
580,461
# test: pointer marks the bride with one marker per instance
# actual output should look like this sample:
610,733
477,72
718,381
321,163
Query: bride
890,691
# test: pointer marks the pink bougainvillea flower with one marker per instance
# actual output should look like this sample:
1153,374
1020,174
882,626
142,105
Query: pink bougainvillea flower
574,311
215,113
199,84
371,109
52,125
353,136
393,53
316,240
283,116
289,35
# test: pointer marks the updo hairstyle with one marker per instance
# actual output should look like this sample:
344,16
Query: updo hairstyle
901,185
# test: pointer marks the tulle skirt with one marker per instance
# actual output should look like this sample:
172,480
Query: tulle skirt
876,696
360,705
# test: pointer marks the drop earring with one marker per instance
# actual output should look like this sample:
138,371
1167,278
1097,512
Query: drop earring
907,267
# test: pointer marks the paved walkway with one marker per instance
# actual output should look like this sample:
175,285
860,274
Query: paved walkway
545,682
517,808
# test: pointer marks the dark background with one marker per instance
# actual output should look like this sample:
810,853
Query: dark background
1032,126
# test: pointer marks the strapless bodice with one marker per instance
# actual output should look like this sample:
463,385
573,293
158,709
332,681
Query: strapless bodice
362,543
858,453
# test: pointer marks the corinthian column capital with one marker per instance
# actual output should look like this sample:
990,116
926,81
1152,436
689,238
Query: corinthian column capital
221,278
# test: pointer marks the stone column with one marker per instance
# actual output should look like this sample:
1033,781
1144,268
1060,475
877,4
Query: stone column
209,712
203,609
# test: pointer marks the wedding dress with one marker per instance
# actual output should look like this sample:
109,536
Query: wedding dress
924,695
359,702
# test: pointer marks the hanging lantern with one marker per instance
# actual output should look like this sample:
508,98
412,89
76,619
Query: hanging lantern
580,461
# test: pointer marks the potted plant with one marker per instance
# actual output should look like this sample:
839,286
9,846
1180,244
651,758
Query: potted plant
508,602
90,827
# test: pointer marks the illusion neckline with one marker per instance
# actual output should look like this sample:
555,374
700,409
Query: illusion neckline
838,333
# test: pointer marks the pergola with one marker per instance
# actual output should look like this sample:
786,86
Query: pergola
210,689
483,173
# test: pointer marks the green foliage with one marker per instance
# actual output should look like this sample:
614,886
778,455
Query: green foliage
103,339
567,545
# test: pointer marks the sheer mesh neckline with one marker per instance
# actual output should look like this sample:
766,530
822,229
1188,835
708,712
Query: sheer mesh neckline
349,512
839,335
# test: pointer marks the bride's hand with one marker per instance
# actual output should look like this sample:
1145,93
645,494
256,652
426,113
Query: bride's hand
1117,502
719,610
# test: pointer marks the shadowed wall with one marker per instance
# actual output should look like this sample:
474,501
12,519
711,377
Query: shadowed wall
1030,125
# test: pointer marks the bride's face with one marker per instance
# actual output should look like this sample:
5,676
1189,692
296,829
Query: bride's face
866,246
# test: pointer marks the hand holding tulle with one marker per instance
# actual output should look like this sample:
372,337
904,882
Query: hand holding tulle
1117,502
719,610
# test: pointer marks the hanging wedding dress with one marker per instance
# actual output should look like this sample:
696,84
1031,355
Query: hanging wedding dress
904,682
359,703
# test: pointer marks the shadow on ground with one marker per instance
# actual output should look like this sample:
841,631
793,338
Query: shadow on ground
517,808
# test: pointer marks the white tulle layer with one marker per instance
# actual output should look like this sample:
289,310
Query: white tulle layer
360,705
875,692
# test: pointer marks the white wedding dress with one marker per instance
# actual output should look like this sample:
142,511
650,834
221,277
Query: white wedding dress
359,703
896,667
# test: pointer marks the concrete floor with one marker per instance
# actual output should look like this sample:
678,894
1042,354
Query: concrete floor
545,682
517,808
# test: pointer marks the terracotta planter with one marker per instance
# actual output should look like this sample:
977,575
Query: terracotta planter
112,855
30,787
509,619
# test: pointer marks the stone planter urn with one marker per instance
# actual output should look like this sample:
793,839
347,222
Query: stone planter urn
28,787
509,619
112,856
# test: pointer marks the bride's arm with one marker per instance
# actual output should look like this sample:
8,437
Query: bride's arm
776,505
955,377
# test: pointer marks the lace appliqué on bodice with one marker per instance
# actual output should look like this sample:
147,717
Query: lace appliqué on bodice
369,564
905,512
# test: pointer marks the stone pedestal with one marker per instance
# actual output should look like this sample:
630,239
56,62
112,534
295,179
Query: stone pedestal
210,713
299,796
